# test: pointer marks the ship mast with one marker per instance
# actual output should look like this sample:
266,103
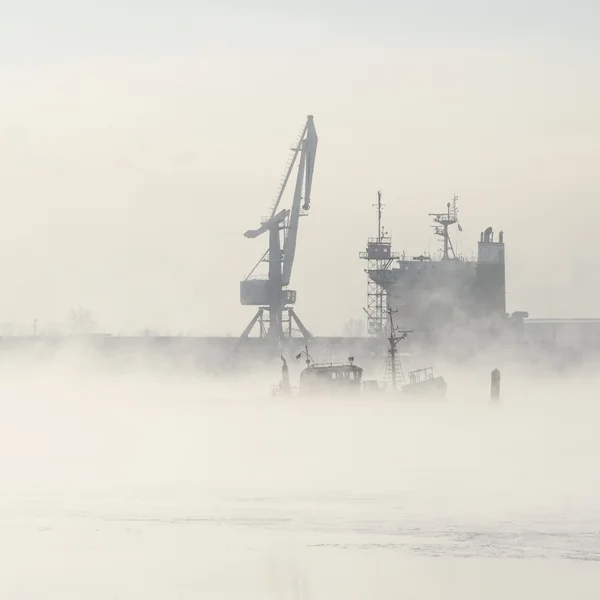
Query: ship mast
396,335
379,206
442,223
379,257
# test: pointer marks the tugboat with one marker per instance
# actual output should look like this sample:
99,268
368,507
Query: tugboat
347,378
322,378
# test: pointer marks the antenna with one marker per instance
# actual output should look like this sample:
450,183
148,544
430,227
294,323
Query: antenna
306,353
379,206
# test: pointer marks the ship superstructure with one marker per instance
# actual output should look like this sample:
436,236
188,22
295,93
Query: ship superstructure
440,294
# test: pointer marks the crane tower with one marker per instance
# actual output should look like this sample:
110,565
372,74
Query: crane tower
271,293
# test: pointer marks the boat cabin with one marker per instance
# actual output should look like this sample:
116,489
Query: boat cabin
331,378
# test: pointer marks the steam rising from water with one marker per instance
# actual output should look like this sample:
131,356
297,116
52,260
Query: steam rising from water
153,486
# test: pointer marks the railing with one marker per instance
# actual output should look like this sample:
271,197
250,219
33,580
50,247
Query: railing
326,363
372,254
256,278
420,375
384,241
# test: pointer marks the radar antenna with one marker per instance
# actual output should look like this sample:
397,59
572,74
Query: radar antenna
442,222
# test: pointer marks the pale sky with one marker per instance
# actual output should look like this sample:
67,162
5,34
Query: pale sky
139,141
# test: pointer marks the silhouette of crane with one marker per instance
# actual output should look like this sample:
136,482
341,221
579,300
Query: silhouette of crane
272,295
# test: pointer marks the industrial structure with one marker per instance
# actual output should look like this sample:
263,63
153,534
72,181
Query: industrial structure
448,292
379,257
275,315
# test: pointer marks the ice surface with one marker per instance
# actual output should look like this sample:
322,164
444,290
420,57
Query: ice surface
150,488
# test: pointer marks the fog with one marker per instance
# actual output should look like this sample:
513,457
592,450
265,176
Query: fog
138,142
144,485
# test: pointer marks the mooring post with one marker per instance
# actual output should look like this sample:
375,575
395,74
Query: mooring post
284,387
495,386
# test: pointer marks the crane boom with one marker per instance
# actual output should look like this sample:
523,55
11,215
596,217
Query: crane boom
311,153
288,171
304,178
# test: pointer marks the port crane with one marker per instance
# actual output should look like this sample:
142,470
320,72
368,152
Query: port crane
271,294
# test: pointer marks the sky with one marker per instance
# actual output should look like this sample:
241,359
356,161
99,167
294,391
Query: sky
140,140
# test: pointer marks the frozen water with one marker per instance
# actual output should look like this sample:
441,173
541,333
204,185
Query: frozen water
125,488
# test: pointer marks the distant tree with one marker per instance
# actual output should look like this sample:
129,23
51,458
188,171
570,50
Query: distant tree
80,320
354,328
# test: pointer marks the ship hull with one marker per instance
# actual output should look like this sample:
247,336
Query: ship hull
429,389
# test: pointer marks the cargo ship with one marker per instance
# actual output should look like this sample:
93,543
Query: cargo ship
440,296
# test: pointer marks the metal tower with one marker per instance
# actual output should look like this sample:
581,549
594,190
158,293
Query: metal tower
270,294
442,222
379,257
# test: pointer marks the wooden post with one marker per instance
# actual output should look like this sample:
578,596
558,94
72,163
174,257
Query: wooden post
285,388
495,386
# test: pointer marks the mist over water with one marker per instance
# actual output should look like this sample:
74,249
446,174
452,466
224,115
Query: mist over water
139,142
149,485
